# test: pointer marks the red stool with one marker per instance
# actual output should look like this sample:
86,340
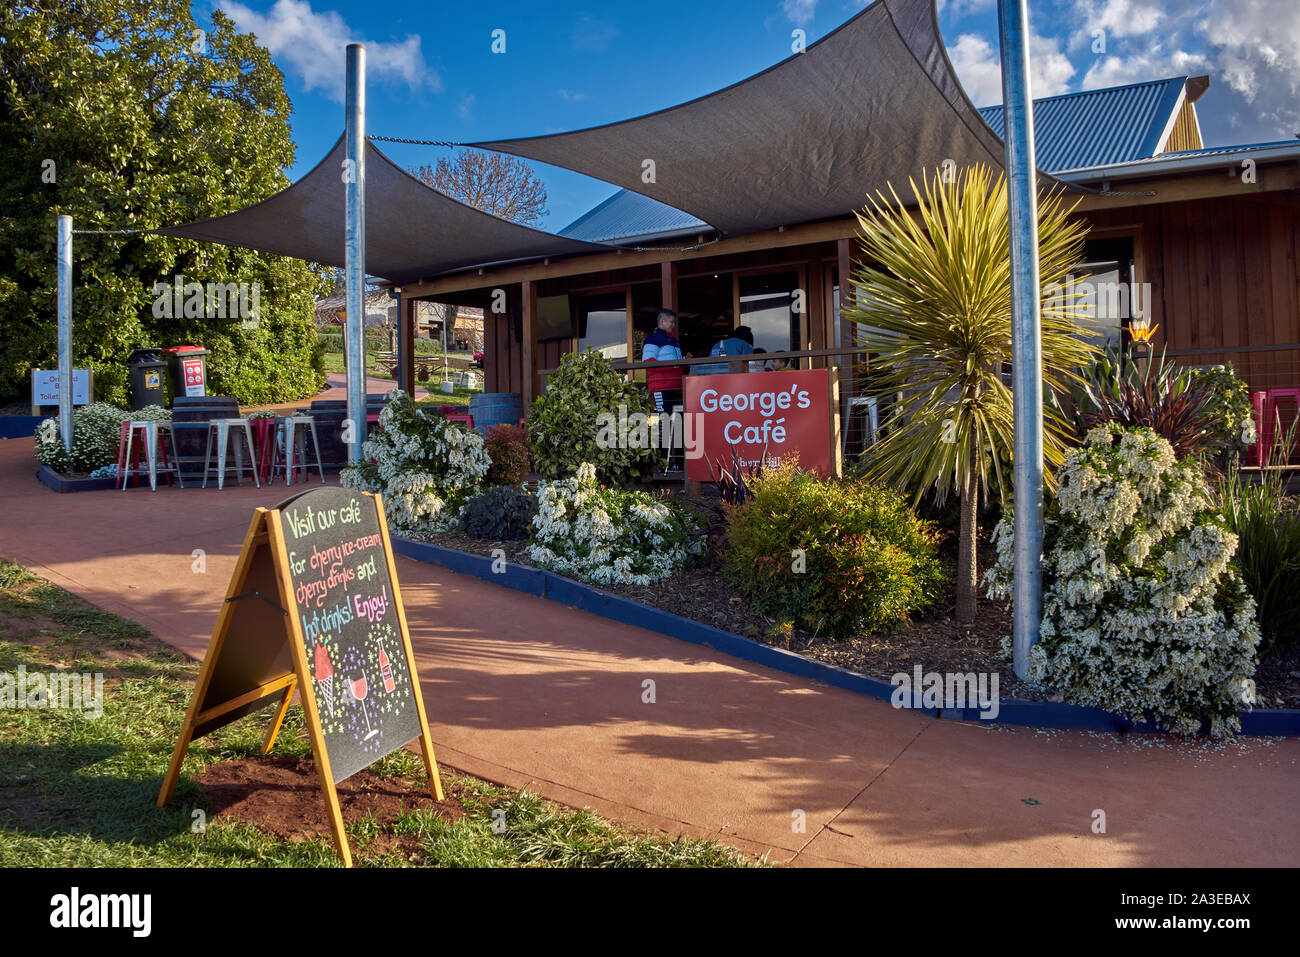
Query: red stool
466,420
1271,418
1258,399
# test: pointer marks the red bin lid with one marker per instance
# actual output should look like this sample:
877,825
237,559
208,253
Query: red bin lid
184,349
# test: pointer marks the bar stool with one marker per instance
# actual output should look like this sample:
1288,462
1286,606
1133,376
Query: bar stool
464,419
867,402
1271,419
293,432
221,429
1257,454
128,458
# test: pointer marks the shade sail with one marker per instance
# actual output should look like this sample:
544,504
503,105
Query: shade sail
411,230
874,102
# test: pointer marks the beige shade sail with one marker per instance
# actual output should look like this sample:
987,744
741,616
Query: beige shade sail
872,103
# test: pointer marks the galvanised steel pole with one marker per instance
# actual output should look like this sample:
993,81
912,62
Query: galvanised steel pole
65,330
1026,342
354,178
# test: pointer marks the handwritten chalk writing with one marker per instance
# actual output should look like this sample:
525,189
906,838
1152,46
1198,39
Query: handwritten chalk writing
325,622
299,523
367,570
320,560
371,609
350,514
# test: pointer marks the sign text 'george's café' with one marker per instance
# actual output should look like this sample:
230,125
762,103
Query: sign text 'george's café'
765,417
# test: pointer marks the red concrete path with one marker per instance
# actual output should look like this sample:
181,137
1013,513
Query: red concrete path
523,691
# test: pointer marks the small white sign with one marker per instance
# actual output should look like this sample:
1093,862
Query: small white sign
45,387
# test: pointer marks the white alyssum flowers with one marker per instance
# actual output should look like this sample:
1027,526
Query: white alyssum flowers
608,536
423,465
1143,613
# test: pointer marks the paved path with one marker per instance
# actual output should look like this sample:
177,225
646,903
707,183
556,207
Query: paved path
523,691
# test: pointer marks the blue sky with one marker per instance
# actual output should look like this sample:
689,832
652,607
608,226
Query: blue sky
432,73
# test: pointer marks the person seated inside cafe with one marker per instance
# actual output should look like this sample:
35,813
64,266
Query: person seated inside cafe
739,343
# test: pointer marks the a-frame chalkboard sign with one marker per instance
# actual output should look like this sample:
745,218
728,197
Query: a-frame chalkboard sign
314,606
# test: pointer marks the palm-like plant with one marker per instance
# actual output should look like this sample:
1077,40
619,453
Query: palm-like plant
933,307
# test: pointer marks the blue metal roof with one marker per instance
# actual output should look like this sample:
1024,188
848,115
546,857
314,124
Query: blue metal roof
1099,127
627,214
1072,131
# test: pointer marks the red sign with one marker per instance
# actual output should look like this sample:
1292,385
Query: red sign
761,416
193,376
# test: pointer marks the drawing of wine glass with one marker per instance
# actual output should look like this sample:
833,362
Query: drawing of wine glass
358,688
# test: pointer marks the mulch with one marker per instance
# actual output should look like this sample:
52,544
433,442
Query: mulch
933,639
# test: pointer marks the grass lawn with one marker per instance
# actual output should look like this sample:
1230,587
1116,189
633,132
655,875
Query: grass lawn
77,790
460,397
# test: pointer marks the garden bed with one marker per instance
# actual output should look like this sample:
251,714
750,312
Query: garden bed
935,640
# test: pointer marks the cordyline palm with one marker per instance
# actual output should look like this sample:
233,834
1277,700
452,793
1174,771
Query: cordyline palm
934,309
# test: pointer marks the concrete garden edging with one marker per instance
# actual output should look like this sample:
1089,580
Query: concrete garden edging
19,426
61,483
566,591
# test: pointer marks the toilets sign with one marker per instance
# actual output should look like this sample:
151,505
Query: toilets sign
760,417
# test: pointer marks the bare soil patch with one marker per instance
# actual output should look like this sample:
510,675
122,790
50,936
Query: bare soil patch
282,798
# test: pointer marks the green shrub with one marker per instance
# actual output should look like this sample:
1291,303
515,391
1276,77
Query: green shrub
610,536
1143,613
1198,411
1267,525
563,423
96,437
507,447
502,512
836,558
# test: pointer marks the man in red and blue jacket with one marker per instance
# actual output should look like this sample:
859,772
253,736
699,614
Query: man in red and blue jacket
662,346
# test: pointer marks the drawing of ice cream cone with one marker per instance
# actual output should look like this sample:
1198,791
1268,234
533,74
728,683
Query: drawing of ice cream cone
325,676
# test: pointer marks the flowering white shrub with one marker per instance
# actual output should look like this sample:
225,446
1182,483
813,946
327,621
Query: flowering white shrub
96,436
609,536
423,465
1143,612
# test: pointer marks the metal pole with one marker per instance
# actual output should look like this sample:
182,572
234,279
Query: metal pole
355,227
65,330
1026,344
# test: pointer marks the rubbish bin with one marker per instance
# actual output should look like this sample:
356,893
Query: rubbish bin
146,373
189,368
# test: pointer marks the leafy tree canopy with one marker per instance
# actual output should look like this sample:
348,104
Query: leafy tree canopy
125,115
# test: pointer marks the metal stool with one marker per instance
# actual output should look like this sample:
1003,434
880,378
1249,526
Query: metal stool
222,428
153,430
295,428
867,402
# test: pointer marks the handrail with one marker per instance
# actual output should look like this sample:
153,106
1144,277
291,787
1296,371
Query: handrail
624,365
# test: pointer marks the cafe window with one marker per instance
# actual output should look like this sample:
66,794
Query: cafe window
767,307
602,324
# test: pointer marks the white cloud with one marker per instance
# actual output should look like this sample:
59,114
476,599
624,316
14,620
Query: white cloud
466,107
799,11
569,96
957,9
310,45
978,68
976,63
592,34
1250,48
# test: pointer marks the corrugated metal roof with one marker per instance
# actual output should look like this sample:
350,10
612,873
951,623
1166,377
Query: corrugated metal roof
1099,127
626,215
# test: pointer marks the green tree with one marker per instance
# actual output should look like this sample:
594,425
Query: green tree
933,308
126,116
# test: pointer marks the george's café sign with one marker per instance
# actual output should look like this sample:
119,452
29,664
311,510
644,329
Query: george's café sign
765,417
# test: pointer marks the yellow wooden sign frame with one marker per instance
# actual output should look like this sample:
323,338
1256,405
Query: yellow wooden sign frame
265,532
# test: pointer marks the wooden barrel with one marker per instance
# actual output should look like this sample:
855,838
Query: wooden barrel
495,408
